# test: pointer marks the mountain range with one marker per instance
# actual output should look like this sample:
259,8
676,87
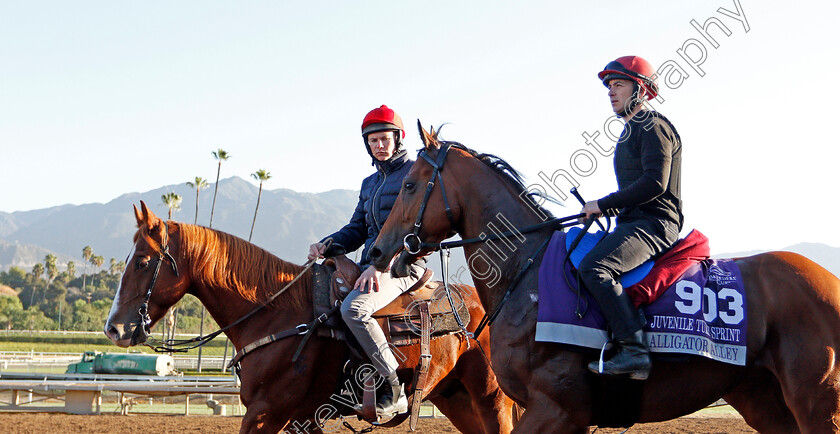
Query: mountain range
287,223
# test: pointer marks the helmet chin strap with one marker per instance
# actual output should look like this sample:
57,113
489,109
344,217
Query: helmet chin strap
634,101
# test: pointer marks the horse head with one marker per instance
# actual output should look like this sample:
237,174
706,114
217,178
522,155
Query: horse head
151,283
424,211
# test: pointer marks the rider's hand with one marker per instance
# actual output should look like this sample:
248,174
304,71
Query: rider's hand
369,280
316,251
591,209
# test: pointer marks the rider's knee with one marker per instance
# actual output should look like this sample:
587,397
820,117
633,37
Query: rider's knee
590,269
351,311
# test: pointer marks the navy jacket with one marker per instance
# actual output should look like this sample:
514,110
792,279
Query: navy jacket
376,198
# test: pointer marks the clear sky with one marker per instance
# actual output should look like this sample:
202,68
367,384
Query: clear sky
101,98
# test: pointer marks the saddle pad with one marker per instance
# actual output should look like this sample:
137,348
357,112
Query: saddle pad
703,313
692,249
586,244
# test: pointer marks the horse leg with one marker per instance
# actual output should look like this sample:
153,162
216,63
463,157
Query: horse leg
458,408
259,419
758,398
810,385
543,415
558,393
494,408
516,413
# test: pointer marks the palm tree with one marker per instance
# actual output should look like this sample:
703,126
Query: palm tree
37,271
220,155
97,262
51,268
171,201
112,268
197,185
87,252
71,269
117,267
260,175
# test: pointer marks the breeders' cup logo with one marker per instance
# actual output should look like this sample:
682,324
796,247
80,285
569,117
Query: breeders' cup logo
720,275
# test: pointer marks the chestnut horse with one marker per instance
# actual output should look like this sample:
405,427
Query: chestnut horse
231,277
790,382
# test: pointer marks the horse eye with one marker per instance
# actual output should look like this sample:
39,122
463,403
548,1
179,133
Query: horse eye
141,262
409,186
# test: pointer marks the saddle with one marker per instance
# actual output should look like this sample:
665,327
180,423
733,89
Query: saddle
400,320
647,282
420,314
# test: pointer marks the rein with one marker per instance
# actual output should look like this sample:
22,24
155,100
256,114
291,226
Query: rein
184,345
556,223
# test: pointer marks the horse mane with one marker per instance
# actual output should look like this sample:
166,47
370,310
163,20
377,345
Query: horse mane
220,260
503,169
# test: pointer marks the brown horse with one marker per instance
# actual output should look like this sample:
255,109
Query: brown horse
231,277
790,382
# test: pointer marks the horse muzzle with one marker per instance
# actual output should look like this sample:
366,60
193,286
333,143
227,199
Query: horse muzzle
399,267
402,265
126,335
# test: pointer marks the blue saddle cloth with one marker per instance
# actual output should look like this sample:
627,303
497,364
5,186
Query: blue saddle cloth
586,244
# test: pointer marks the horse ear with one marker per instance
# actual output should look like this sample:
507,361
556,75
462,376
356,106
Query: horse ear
428,139
148,218
138,215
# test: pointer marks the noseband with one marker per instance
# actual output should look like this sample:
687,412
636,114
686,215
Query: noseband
145,319
412,242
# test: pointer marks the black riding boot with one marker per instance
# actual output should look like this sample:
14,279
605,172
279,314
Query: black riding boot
633,358
393,401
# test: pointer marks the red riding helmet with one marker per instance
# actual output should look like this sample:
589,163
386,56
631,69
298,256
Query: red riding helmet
632,68
382,119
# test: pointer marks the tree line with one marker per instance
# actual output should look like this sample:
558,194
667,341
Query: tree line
49,299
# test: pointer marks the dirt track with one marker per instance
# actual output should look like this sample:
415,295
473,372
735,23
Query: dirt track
44,423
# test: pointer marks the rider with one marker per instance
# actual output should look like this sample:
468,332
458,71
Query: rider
648,205
382,131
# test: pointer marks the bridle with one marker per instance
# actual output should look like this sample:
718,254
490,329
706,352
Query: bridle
412,242
163,254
